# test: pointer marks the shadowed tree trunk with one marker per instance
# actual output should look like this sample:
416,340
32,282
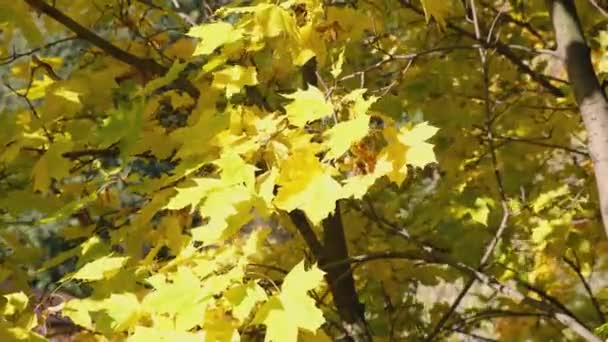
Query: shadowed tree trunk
574,52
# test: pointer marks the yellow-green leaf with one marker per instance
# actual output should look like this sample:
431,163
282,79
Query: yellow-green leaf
305,186
100,268
234,78
343,135
307,106
213,35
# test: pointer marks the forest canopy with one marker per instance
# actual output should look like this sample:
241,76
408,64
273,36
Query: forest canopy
303,170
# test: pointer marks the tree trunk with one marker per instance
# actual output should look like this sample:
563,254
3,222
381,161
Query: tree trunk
575,55
331,255
340,277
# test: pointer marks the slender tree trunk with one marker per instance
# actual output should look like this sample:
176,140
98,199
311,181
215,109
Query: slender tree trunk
331,255
575,54
340,278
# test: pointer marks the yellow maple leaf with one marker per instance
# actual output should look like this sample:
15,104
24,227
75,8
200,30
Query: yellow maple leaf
273,20
67,94
208,126
213,35
120,313
234,170
293,309
172,297
395,155
311,44
100,268
234,78
351,23
269,20
266,186
417,134
419,152
357,186
228,209
38,88
144,334
52,165
306,186
193,195
438,9
243,299
307,106
343,135
407,146
358,104
336,67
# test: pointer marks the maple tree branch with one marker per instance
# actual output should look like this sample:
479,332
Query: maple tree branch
599,8
340,277
30,105
145,65
501,48
557,312
431,254
523,24
331,256
310,238
541,143
489,250
596,305
16,55
491,314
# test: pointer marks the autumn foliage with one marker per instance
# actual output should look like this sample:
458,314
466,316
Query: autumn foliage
296,170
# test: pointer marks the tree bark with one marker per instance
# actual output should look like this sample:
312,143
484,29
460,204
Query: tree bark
592,103
331,255
340,277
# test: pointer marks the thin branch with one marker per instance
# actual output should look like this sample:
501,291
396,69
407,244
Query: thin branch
145,65
596,305
17,55
523,24
407,57
30,105
489,250
502,49
473,335
553,309
599,8
541,143
490,314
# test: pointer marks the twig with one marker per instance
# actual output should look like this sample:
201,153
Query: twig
16,55
489,250
596,305
541,143
145,65
48,134
599,8
502,49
